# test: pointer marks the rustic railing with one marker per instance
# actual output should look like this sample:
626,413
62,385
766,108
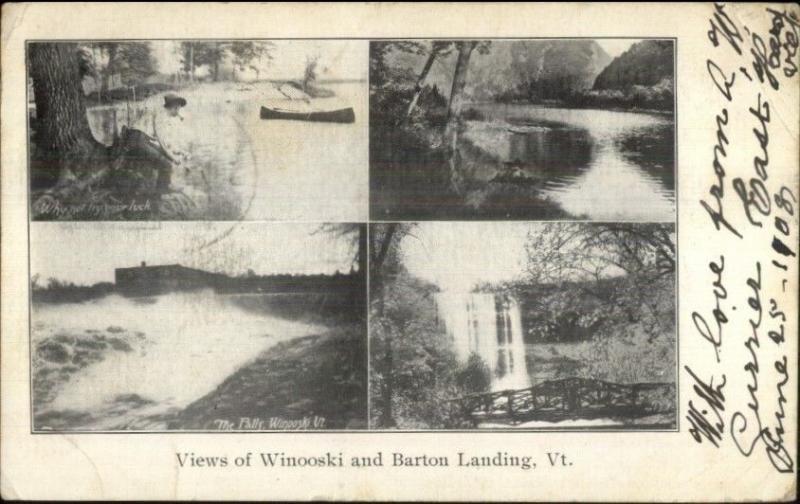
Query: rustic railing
571,398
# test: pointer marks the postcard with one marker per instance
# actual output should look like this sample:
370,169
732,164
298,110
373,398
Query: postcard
387,252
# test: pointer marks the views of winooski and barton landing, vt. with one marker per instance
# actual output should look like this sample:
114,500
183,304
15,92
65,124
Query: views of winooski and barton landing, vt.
301,259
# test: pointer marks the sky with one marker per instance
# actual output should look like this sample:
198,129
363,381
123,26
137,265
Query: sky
615,47
457,255
87,253
338,59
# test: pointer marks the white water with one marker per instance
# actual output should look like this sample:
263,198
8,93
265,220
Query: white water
192,342
489,326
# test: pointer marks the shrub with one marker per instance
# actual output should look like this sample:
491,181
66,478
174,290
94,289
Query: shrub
475,376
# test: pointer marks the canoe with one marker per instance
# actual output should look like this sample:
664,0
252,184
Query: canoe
345,115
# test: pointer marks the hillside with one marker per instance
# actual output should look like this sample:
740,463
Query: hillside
535,70
553,69
517,70
646,63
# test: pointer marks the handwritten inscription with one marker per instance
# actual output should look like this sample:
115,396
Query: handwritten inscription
744,436
747,206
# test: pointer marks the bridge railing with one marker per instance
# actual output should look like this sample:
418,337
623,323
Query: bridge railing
572,398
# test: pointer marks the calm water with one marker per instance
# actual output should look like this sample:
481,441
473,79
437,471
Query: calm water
601,165
241,166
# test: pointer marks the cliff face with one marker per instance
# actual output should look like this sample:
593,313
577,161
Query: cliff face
557,66
523,69
646,63
537,69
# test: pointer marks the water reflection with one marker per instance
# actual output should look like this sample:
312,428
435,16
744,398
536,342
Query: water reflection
584,160
553,152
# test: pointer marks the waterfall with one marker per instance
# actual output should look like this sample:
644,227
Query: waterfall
490,326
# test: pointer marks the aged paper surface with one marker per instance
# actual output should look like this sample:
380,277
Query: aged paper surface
392,252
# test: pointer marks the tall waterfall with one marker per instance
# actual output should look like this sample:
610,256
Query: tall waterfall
490,326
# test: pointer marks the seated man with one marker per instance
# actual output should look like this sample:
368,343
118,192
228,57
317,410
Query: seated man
164,126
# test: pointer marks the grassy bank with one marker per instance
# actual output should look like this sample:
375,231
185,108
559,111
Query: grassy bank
317,381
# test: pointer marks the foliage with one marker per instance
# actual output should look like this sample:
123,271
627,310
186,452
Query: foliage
660,97
622,276
475,376
248,54
645,63
412,352
408,163
132,61
381,71
354,235
194,54
57,291
414,372
242,54
542,70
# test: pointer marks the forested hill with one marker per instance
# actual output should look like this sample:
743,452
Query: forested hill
525,70
535,70
646,63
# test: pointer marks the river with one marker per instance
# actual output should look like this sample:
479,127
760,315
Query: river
133,363
243,167
594,164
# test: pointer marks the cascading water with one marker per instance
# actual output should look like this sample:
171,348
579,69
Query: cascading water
488,325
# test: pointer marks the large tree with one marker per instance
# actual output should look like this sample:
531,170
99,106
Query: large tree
129,62
415,374
195,54
249,54
439,49
384,240
63,135
464,51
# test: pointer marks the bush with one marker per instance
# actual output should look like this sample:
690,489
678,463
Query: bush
475,376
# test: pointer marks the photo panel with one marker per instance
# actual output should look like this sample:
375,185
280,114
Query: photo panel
523,325
198,130
154,327
528,129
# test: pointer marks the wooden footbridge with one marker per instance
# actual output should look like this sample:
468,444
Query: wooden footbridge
572,399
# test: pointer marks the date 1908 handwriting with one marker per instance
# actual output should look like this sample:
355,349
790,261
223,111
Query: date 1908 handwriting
766,61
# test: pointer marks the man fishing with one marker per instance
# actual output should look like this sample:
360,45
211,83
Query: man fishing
163,128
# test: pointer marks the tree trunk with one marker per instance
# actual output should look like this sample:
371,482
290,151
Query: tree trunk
387,420
62,127
422,76
454,112
217,57
108,74
362,250
191,62
379,255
